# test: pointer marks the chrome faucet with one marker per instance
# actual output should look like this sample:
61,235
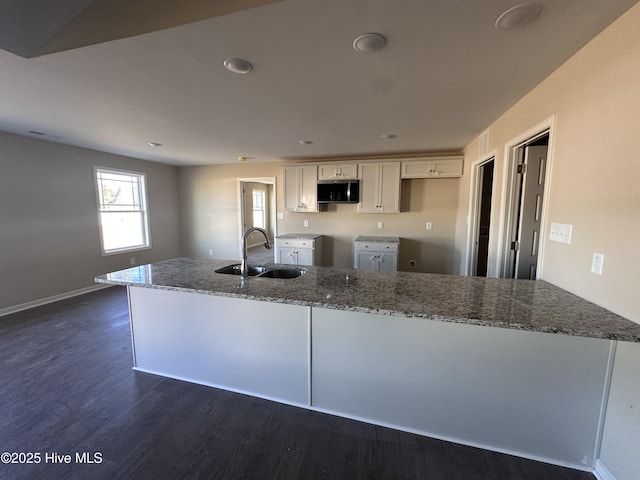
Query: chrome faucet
244,267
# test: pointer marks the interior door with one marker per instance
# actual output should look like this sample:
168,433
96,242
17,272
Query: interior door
532,195
485,171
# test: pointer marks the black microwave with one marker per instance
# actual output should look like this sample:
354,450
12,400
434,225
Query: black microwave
338,191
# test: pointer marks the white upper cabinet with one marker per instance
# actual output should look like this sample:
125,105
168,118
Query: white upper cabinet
300,188
435,167
379,187
346,171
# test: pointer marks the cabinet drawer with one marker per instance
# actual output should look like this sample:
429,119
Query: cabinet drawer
296,243
377,246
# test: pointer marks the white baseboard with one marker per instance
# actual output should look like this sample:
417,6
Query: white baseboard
602,472
43,301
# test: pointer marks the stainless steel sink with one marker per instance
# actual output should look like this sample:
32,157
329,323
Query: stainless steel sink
235,269
263,271
279,272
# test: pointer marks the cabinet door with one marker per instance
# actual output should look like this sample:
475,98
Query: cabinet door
300,188
305,256
447,168
369,188
387,262
291,188
327,172
366,260
389,187
348,171
416,169
288,256
308,189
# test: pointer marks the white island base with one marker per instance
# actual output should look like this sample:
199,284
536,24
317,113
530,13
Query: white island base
534,395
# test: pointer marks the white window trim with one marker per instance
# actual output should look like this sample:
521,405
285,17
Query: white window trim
262,210
144,199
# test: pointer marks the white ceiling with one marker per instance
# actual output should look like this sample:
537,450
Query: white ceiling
444,75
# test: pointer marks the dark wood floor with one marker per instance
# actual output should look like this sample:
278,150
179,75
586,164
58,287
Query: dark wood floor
67,387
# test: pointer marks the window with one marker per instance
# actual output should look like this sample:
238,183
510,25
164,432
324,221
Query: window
259,216
122,210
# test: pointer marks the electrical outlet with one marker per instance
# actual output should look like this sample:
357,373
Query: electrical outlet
380,224
429,226
306,223
596,263
280,216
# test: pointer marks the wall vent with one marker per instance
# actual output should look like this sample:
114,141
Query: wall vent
483,143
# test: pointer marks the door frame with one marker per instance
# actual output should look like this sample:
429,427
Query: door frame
509,203
474,209
241,206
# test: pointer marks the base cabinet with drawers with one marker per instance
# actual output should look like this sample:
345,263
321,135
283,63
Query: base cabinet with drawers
298,249
376,253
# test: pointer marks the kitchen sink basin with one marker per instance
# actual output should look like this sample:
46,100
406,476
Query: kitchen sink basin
235,269
280,272
261,271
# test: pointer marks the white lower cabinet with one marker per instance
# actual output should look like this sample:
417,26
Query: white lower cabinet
294,251
380,256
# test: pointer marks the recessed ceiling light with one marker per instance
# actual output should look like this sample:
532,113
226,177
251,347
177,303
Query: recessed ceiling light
242,159
305,142
387,136
237,65
518,16
154,144
369,42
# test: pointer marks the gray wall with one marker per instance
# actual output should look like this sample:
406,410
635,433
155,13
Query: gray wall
49,237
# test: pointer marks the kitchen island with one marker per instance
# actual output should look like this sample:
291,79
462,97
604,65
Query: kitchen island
406,350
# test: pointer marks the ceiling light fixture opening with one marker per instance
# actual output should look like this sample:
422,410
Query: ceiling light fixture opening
154,144
238,65
369,42
518,16
305,142
388,136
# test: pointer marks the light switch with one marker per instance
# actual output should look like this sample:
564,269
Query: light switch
429,226
560,232
380,224
596,263
306,223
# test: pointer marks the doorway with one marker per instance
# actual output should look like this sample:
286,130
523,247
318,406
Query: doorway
481,218
529,180
257,208
485,172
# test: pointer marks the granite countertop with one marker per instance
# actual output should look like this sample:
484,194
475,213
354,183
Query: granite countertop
298,236
535,306
368,238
